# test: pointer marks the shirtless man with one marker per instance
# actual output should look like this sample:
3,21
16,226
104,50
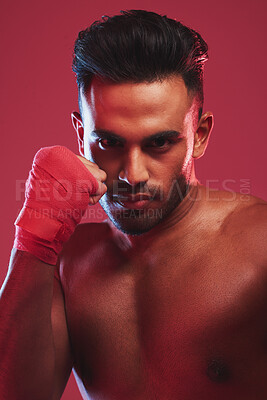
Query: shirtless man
169,299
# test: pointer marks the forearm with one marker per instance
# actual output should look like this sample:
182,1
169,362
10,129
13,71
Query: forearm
27,356
58,190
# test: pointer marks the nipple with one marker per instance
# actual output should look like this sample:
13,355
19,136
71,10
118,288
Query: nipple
218,371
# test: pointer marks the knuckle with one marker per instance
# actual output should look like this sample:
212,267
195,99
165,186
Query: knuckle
104,175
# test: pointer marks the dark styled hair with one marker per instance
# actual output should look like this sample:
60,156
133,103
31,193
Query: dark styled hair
140,46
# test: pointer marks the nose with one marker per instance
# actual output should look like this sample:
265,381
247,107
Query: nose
134,169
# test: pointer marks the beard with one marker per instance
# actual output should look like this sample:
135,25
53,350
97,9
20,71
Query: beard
139,221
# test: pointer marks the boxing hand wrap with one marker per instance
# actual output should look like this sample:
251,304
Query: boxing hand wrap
57,194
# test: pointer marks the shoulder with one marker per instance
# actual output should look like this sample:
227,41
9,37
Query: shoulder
249,212
235,207
244,223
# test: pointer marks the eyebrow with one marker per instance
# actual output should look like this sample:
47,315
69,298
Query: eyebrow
107,134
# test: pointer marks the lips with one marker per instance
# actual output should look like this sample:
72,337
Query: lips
135,202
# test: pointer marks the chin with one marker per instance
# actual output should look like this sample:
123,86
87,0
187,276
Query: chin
131,221
133,227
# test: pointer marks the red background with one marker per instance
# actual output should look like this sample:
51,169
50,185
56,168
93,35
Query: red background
38,90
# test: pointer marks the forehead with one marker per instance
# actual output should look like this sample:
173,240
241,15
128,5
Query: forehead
160,102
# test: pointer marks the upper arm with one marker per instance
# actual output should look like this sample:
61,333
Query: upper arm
63,355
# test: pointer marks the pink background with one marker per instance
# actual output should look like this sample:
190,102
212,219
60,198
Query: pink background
38,91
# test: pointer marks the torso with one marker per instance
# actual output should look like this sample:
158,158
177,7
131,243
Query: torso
182,318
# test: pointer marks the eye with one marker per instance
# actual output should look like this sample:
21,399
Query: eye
160,143
108,143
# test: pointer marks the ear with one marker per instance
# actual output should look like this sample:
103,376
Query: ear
78,126
202,134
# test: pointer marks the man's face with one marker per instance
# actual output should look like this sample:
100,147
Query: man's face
142,136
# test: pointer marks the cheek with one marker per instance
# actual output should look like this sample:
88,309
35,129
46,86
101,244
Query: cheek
189,143
94,153
106,161
166,173
174,167
87,148
184,156
174,161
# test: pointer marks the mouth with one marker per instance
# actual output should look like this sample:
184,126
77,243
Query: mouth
135,202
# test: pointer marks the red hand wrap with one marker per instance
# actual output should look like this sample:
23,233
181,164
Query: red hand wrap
56,197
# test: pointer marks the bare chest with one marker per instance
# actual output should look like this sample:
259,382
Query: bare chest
182,326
